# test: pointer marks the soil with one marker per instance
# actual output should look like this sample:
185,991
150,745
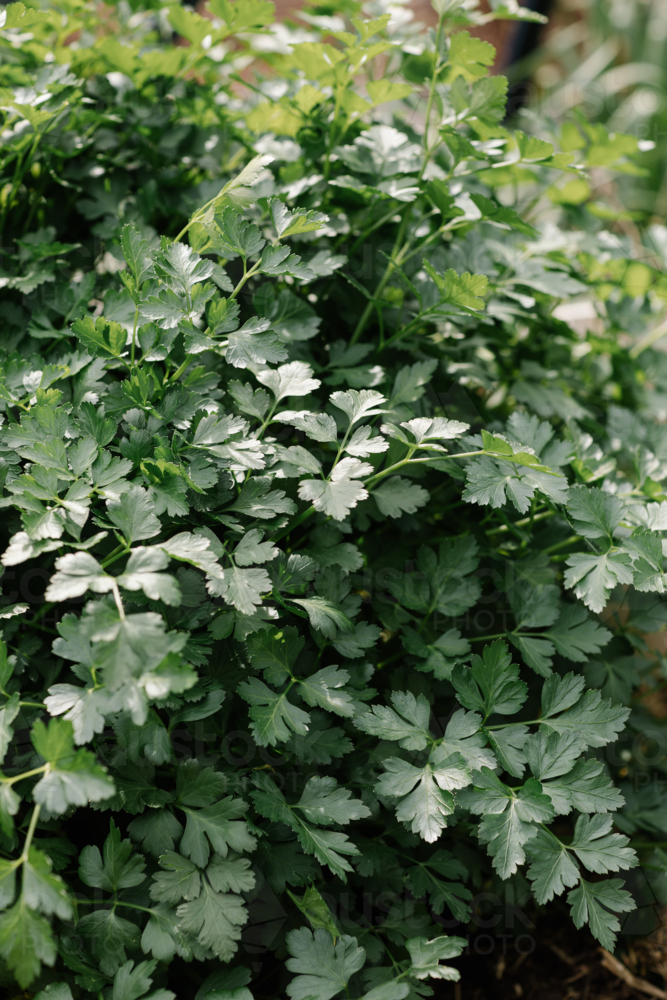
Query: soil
554,961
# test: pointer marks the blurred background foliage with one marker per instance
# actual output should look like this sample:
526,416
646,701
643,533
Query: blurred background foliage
608,60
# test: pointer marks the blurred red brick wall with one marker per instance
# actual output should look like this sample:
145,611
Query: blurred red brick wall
498,33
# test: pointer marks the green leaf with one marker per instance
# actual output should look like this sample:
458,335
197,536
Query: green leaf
508,746
157,830
109,936
552,755
117,869
181,879
323,688
596,721
25,942
254,344
275,652
216,919
315,909
274,717
136,253
576,635
491,684
101,338
142,572
17,15
338,495
322,968
495,481
398,496
444,583
7,716
536,653
76,573
358,404
325,616
425,956
552,869
42,890
72,777
462,290
408,724
242,588
596,903
323,802
181,268
133,514
221,825
424,808
441,655
593,576
256,499
427,877
252,550
318,426
289,223
469,56
598,848
595,514
585,788
236,237
559,693
130,983
55,991
463,736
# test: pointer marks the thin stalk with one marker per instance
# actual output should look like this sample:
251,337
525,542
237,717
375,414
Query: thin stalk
648,340
179,371
561,545
418,461
521,523
31,832
119,602
431,95
134,336
295,524
24,774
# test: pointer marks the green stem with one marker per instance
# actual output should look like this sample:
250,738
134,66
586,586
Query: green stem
119,602
24,774
134,335
521,523
31,832
648,340
133,906
294,524
42,611
389,270
115,554
396,656
561,545
371,229
418,461
505,725
431,95
179,371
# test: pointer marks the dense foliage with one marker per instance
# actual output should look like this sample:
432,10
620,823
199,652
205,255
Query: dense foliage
331,545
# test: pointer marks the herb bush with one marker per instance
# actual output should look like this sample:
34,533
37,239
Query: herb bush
313,509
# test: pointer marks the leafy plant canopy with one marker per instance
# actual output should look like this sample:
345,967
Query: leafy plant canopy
331,539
